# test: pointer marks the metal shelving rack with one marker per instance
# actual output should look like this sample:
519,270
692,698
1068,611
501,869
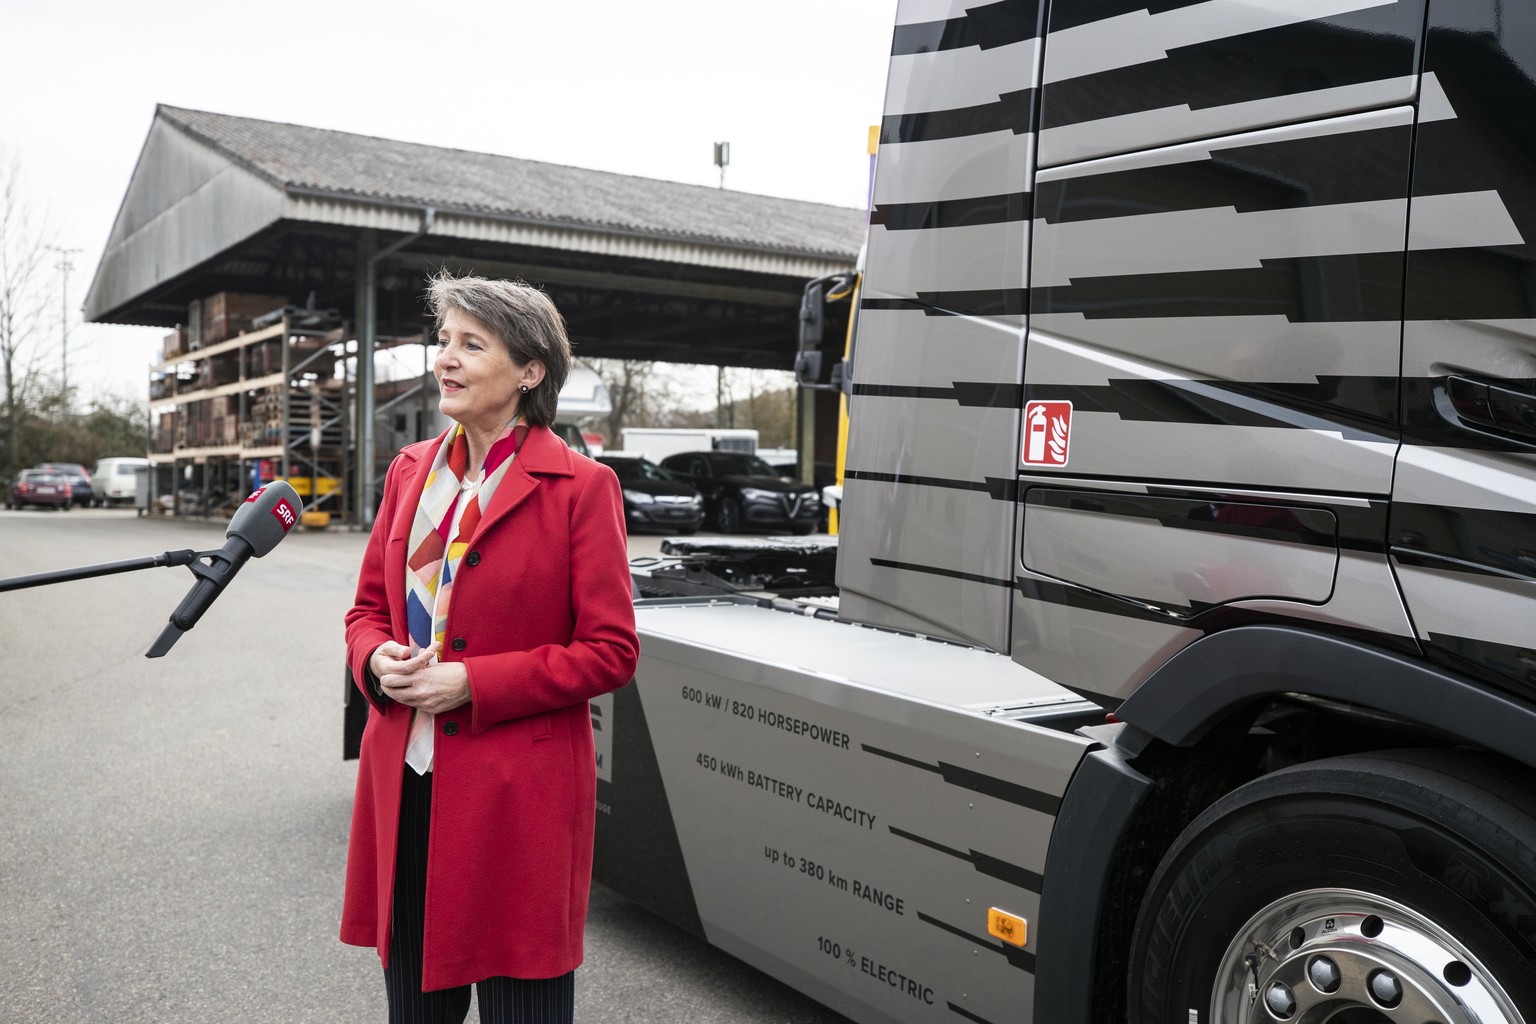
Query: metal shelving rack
265,400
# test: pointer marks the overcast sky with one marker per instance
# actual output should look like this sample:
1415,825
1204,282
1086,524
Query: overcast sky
638,88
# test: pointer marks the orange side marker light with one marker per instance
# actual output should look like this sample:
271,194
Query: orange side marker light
1011,928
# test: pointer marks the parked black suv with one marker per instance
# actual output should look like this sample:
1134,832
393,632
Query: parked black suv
743,492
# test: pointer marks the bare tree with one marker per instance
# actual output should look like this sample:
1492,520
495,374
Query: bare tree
764,400
626,381
643,394
24,297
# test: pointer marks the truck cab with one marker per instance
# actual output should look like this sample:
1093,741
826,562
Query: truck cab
1186,541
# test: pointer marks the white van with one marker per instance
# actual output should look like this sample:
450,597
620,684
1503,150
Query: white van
656,443
116,479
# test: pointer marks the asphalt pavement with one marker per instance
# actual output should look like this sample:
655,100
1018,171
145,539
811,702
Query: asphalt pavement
173,831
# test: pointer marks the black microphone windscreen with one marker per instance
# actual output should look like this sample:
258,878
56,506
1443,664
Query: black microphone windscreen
266,516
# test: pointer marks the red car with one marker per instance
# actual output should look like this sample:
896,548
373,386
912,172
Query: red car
75,475
40,487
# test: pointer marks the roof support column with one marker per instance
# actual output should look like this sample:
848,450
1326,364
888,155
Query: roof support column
805,434
362,404
366,345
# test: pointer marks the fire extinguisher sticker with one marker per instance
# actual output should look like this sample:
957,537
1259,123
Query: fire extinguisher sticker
1047,433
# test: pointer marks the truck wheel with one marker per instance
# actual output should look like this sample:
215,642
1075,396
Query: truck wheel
728,518
1393,887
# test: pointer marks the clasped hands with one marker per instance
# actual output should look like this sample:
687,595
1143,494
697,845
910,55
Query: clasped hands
418,680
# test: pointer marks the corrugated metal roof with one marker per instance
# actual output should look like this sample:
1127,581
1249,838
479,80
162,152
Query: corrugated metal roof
374,170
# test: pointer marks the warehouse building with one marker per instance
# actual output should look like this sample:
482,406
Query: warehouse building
282,259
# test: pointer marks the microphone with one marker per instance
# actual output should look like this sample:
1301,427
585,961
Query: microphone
258,524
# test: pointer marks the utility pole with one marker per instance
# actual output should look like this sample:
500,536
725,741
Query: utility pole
64,266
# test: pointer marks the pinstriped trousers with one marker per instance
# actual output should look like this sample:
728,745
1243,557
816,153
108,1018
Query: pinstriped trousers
501,1000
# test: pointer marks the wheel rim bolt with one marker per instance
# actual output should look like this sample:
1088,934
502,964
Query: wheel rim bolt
1324,975
1385,988
1280,1000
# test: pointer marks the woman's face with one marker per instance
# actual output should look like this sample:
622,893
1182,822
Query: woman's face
477,379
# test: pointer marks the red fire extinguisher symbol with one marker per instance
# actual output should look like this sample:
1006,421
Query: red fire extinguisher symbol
1047,432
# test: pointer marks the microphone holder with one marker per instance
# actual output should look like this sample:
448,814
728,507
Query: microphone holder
217,572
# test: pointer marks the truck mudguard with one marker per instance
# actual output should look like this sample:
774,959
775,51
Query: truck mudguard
1095,812
1218,674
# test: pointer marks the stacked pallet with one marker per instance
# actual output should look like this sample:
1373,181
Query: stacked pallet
223,315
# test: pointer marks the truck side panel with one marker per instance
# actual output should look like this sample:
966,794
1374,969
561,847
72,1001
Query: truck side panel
848,804
1226,310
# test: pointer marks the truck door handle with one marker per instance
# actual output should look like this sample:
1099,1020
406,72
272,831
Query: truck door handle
1497,408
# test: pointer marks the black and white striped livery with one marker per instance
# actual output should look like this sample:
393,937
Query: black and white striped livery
935,406
1275,256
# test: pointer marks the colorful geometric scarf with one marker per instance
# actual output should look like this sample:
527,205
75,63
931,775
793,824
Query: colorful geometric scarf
434,561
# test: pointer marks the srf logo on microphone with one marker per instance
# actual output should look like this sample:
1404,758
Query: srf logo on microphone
1047,433
284,513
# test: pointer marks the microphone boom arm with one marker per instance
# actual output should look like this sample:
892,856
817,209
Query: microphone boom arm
217,569
185,556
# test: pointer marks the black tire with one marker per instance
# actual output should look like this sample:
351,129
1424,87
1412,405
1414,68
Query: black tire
1418,864
728,516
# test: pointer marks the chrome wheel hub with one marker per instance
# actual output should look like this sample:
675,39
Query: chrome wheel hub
1347,957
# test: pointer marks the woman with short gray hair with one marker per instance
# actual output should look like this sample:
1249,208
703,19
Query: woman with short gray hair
523,319
492,604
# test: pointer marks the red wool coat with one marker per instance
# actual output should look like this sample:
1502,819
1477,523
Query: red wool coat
542,605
